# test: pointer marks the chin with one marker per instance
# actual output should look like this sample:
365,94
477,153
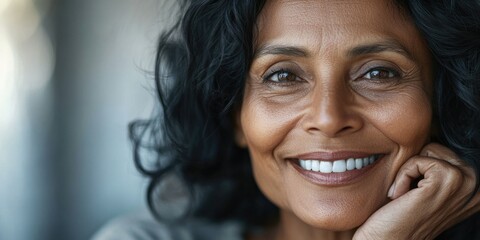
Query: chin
333,208
334,216
337,221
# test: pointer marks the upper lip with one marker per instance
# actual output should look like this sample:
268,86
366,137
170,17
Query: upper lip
331,156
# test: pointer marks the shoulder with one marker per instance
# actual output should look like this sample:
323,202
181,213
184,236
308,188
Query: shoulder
142,226
133,226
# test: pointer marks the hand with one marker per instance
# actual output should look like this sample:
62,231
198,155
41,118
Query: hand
438,202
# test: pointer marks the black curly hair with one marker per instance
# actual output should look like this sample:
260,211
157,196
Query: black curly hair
201,67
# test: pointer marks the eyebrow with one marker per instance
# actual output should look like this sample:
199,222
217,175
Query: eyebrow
281,50
370,48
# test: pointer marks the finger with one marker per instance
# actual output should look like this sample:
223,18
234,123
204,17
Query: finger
466,197
408,173
440,152
434,173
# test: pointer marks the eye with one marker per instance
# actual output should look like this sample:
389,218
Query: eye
381,74
281,76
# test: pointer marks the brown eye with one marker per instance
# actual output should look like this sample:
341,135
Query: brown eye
281,77
380,74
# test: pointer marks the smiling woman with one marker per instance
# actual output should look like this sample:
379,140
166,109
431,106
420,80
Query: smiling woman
354,89
318,120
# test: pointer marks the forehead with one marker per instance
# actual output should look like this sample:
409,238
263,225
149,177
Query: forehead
330,24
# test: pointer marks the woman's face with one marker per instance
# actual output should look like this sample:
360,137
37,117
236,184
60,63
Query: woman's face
341,84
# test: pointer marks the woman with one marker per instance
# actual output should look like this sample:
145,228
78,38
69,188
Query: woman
355,119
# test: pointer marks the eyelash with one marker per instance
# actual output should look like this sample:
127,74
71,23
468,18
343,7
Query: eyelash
267,78
392,74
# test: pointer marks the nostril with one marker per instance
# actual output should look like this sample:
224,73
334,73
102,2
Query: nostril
331,118
334,130
346,128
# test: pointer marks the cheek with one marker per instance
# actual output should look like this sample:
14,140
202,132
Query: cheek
406,120
265,126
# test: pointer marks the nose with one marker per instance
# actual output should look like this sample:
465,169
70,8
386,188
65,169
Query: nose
332,112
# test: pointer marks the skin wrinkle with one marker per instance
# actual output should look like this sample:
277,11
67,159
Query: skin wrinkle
330,111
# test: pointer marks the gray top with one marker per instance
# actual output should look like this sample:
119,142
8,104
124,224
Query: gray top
142,226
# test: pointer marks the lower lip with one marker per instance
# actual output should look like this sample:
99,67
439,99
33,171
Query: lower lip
335,179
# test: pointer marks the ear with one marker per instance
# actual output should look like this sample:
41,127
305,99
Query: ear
239,136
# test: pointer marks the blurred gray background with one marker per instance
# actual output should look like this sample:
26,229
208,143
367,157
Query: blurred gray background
73,74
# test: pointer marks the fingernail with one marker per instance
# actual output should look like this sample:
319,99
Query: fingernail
391,191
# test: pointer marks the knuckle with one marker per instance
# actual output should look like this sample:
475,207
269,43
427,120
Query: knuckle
445,174
453,178
429,148
456,174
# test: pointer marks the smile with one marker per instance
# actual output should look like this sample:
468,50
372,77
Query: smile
337,166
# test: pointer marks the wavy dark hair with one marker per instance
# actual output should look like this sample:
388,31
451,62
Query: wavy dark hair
200,72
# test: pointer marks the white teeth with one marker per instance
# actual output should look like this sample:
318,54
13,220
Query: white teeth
308,165
337,166
350,164
358,163
302,164
325,167
315,165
